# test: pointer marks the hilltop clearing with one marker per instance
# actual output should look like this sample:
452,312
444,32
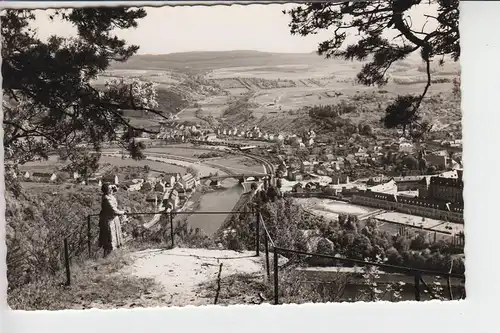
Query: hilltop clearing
184,272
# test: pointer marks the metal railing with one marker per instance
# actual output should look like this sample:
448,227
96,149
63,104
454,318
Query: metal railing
262,234
269,246
68,254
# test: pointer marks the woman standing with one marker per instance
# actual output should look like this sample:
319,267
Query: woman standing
109,224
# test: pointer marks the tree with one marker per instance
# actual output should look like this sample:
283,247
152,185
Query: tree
192,171
457,87
372,19
272,193
342,219
419,242
81,161
422,164
50,100
410,162
367,130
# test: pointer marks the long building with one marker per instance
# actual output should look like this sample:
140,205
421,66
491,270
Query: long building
416,206
446,189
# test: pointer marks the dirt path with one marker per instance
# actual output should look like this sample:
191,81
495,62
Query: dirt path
181,271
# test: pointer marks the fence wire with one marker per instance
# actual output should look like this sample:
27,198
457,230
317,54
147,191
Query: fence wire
301,277
168,228
304,278
297,276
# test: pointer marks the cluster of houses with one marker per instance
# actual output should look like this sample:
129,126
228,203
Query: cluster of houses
257,134
447,186
434,196
161,183
47,177
324,159
174,184
167,191
335,187
457,143
179,132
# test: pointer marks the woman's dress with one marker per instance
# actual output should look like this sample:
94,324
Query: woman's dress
110,233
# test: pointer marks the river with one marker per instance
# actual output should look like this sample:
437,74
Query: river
222,200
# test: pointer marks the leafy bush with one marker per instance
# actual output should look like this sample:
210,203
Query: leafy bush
36,226
211,154
331,111
286,222
40,218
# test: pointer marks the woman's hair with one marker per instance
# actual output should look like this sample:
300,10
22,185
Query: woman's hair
105,188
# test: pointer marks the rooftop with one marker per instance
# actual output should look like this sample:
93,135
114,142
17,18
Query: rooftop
450,182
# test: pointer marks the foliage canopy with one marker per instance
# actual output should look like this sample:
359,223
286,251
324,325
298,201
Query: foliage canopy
51,102
374,21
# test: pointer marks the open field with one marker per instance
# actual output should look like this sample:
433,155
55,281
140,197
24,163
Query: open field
237,164
176,160
243,164
53,165
184,151
389,222
156,166
331,209
50,165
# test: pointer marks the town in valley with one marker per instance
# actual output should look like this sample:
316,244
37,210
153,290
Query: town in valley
247,177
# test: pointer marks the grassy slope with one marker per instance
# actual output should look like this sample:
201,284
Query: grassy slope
95,284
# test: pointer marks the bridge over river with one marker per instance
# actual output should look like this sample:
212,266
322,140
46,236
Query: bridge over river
245,179
241,177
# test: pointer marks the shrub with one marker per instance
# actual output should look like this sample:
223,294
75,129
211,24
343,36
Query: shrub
38,221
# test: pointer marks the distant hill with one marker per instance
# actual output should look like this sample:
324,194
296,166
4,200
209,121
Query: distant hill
210,60
203,61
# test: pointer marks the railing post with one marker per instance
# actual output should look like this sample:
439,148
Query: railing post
266,246
171,228
89,236
257,234
66,262
450,293
417,285
276,280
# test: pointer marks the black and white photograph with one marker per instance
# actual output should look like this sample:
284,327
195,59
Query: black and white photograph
252,154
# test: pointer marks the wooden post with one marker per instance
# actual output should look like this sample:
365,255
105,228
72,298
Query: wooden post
266,246
217,292
66,262
450,293
276,280
257,234
171,228
89,237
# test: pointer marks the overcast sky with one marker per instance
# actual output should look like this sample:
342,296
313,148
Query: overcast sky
219,28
